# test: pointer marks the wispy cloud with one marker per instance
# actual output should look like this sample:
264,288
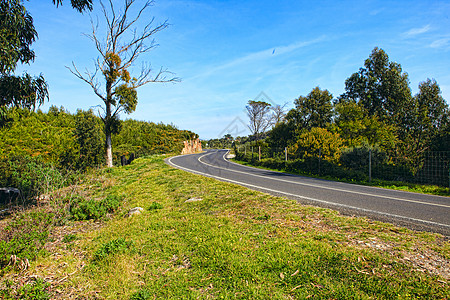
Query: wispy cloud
259,55
416,31
440,43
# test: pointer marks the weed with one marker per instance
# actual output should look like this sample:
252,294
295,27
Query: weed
154,206
69,238
264,217
142,294
83,209
119,245
34,291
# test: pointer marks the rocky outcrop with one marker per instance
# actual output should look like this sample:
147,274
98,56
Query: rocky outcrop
191,147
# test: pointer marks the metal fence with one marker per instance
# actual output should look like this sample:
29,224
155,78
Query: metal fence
432,167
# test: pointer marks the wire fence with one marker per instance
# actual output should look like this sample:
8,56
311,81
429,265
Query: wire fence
432,167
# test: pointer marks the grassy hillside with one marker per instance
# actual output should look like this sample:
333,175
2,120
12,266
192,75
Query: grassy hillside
233,243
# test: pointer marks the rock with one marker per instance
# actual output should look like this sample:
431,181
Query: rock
191,147
193,200
135,211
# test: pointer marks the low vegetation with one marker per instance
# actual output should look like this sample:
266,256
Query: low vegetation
40,152
234,243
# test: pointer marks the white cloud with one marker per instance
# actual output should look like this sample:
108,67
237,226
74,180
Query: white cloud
440,43
416,31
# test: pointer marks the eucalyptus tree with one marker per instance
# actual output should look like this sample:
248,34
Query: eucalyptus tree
432,115
17,34
260,117
382,88
126,40
314,110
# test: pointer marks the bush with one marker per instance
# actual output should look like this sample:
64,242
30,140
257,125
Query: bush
82,209
31,175
357,158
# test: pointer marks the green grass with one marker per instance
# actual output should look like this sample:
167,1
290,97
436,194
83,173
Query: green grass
234,244
393,185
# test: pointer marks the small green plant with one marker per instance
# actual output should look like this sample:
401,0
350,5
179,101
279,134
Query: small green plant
155,205
142,294
69,238
34,291
119,245
264,217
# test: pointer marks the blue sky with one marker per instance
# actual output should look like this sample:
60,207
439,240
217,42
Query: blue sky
229,52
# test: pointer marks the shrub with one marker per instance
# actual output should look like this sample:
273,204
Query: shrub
320,140
31,175
357,158
82,209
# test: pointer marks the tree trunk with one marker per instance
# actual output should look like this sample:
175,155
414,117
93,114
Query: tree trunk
109,158
108,143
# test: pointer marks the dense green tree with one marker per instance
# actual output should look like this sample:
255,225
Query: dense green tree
431,116
357,127
122,46
432,111
382,88
17,33
281,136
89,137
319,141
314,110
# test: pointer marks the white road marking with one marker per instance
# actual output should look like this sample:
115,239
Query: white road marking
307,198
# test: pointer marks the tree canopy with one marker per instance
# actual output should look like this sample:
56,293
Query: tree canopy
314,110
17,34
80,5
260,117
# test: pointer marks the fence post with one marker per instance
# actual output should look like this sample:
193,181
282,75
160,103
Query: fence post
370,165
320,158
259,152
285,153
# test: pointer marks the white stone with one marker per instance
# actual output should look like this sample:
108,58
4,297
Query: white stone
193,200
135,211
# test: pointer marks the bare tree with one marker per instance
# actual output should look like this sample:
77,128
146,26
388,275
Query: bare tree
260,117
278,113
118,51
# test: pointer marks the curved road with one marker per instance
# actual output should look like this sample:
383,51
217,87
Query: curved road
416,211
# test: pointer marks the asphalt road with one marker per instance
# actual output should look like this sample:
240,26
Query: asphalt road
416,211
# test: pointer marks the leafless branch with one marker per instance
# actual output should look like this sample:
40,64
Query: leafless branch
89,78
